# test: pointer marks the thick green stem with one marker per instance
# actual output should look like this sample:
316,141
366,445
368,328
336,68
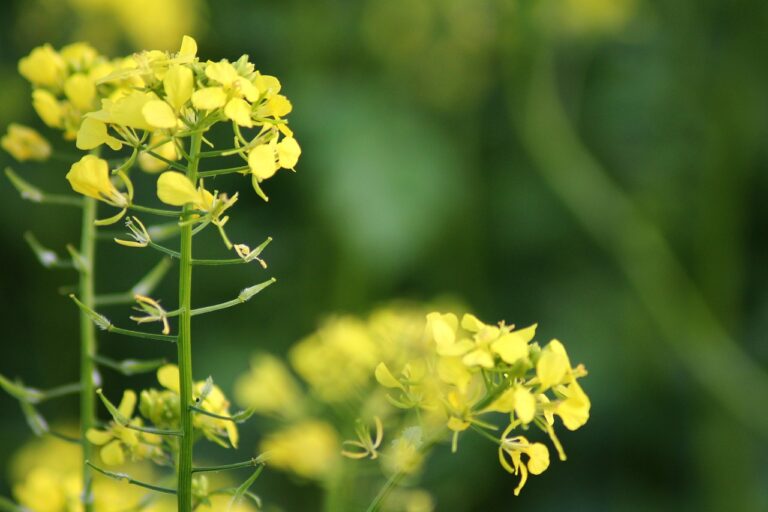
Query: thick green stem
184,488
87,343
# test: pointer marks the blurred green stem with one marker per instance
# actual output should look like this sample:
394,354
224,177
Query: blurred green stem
184,488
87,343
675,304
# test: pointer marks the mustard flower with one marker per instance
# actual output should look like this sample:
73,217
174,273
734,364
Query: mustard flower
269,388
24,143
309,449
511,450
117,441
90,177
210,398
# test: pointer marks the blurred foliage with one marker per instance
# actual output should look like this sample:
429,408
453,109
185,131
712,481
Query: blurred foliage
424,175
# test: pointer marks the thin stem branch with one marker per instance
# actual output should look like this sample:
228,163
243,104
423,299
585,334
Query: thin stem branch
142,335
230,170
256,461
155,211
126,478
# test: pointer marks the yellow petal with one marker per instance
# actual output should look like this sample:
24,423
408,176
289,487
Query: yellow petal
128,403
261,160
178,84
47,107
479,357
288,152
168,377
385,377
513,346
553,364
538,460
471,323
278,106
222,72
574,410
159,114
239,111
267,85
81,91
128,110
442,327
232,433
93,133
112,454
209,98
98,437
188,47
175,189
525,404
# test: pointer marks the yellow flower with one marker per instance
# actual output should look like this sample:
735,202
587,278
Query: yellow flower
90,177
309,449
487,340
24,143
117,441
404,454
214,429
127,110
175,189
178,84
48,108
337,360
269,388
511,450
43,66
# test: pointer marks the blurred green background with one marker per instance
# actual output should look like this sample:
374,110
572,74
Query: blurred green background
597,166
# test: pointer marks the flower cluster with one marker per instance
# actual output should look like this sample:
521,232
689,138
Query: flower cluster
474,371
423,377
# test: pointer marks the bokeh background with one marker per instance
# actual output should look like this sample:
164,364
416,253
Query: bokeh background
597,166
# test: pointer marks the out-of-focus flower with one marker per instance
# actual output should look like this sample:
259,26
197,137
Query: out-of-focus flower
24,143
269,388
337,360
308,448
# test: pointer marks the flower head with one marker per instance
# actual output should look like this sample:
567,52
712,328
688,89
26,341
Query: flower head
24,143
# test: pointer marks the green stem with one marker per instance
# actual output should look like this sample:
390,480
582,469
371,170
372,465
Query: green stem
185,342
87,343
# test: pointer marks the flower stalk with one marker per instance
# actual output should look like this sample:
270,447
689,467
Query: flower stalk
184,343
87,343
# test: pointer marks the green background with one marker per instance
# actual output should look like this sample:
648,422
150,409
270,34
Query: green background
624,212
